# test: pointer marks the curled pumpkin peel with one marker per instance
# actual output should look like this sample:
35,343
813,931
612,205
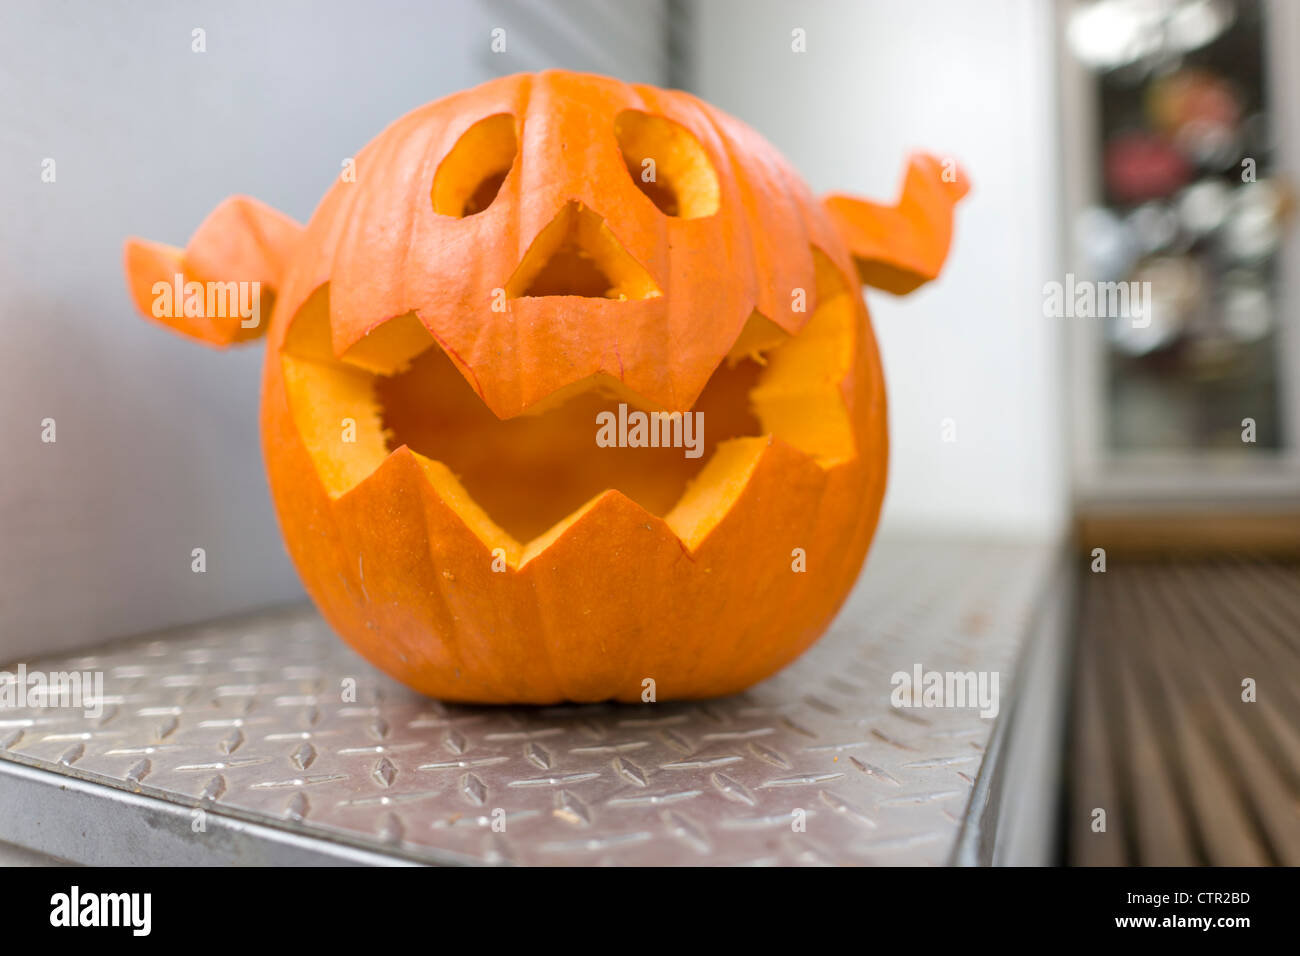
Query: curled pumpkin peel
899,248
448,327
242,240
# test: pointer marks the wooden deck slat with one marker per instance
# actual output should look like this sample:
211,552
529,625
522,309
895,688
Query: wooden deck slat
1188,772
1095,770
1166,817
1205,679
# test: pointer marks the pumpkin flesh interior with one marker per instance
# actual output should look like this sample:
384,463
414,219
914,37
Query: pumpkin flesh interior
519,482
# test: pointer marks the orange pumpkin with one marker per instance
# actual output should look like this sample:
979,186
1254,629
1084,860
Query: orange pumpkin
506,265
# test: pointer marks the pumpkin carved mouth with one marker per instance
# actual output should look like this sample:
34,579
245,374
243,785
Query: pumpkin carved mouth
519,482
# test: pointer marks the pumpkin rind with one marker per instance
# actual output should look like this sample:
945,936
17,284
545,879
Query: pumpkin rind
616,599
703,600
386,252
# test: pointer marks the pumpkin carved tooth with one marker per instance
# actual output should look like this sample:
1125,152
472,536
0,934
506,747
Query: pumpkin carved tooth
448,327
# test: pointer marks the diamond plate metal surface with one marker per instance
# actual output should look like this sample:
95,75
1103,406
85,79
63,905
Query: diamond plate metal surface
248,718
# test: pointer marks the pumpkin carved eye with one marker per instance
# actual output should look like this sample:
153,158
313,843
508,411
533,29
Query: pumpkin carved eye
667,164
470,176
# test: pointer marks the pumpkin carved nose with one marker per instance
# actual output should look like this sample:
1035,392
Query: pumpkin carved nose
577,254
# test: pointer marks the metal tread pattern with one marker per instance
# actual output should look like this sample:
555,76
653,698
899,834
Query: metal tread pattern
248,718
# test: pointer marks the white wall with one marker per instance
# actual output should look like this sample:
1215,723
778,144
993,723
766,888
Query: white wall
157,449
974,80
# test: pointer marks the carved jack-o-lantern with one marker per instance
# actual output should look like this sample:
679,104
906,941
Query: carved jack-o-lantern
503,274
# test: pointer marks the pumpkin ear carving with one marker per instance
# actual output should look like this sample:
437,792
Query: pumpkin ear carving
900,248
218,290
